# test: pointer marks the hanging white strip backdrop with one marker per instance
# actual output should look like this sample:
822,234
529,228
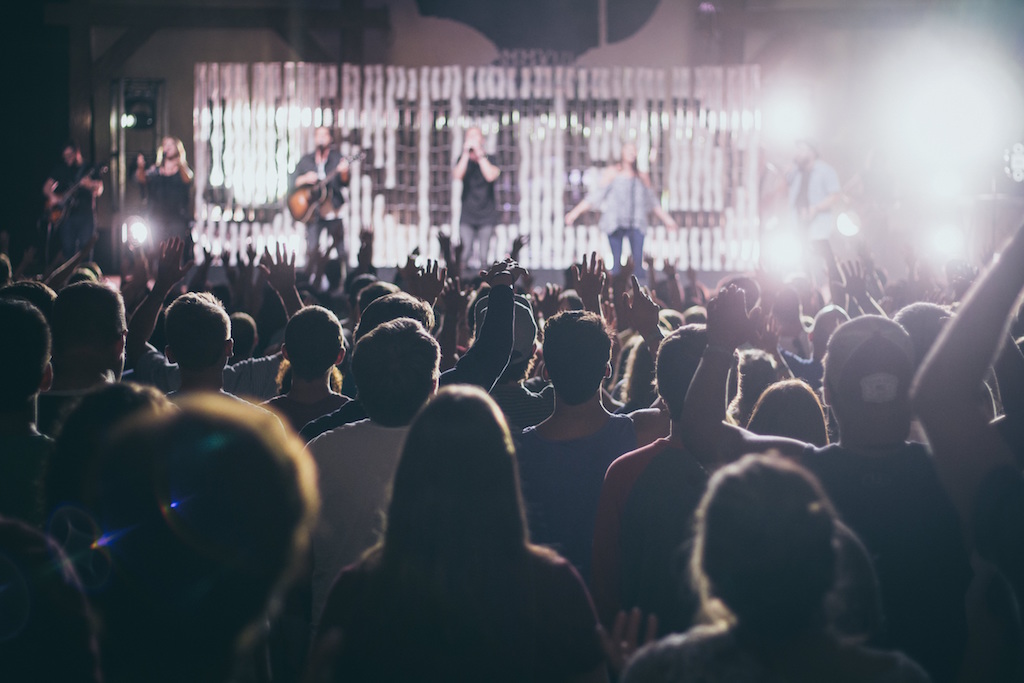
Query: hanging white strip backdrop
551,129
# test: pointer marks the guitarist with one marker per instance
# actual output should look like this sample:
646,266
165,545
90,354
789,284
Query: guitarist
76,224
316,166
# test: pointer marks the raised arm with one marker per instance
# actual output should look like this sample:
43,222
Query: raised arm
280,274
170,271
944,394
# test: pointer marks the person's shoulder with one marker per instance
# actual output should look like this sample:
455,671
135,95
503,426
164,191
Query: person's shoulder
693,655
880,666
629,463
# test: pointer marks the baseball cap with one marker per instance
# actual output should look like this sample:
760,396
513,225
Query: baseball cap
870,359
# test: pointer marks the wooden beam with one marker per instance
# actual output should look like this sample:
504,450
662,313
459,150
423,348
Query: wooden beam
197,16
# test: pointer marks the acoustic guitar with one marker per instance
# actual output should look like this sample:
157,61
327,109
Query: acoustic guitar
305,200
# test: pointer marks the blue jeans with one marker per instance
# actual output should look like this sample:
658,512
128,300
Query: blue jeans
475,241
636,247
74,233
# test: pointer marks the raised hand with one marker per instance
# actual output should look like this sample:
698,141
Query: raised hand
518,243
640,309
546,301
504,272
455,299
280,271
589,281
625,637
428,282
853,275
728,323
170,270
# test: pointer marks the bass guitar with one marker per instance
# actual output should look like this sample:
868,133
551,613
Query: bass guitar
305,200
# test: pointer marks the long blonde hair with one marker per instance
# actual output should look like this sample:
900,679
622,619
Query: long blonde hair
185,171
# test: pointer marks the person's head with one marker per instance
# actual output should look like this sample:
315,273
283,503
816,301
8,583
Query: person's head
88,327
313,343
524,337
756,371
82,275
24,355
825,323
868,369
474,137
670,319
172,149
322,137
751,290
639,376
47,631
198,332
577,355
36,293
787,307
790,408
805,152
396,368
71,153
373,291
629,153
354,284
6,271
391,307
923,321
205,514
569,300
678,357
456,489
765,554
244,335
695,315
82,433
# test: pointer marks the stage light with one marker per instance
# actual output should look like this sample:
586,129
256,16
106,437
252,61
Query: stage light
848,224
947,242
135,230
1014,158
782,251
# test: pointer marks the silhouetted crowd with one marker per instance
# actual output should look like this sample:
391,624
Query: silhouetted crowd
237,470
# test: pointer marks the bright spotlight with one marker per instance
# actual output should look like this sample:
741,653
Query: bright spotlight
848,224
782,251
135,230
947,242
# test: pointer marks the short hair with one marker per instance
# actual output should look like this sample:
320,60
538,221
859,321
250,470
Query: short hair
227,501
244,334
570,300
313,341
373,291
678,357
196,326
766,547
36,293
354,283
392,307
86,315
395,367
923,321
24,352
756,372
577,350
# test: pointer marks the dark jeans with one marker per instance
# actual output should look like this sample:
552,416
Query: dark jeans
74,233
636,247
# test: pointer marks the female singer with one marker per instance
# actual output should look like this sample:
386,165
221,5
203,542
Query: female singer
167,187
625,199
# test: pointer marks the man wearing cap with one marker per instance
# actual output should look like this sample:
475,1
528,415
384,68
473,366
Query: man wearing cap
522,407
885,488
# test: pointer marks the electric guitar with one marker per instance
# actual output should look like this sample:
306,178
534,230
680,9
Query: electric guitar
57,209
305,200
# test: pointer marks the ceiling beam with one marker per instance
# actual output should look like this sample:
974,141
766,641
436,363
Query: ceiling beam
197,16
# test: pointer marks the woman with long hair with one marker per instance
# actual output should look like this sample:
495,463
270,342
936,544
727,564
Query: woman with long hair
625,199
455,590
790,408
765,562
167,187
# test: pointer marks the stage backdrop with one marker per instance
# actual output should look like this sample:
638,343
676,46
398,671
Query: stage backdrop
551,129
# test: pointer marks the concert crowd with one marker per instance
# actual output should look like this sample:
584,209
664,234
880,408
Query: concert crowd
466,474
